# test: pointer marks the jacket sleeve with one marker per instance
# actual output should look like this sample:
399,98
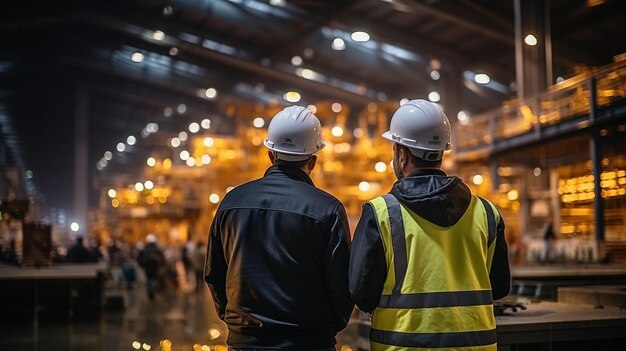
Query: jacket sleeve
215,268
500,272
337,258
368,266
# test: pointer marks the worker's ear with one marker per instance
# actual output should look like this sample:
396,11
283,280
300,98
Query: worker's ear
272,157
311,163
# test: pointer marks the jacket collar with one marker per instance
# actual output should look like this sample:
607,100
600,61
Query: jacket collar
426,172
289,172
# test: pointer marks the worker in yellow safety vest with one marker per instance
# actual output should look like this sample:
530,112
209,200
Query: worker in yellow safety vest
429,258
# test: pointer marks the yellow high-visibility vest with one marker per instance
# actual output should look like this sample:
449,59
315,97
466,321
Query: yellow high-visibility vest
437,294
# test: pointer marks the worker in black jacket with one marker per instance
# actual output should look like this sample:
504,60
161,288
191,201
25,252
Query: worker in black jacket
278,252
429,258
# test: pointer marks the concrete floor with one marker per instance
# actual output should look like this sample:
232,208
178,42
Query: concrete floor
173,321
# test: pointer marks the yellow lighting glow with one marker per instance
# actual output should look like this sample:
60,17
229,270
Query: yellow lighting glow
292,96
208,141
206,159
364,186
146,346
214,198
115,203
191,162
214,333
512,195
337,131
136,345
139,186
112,193
148,184
167,164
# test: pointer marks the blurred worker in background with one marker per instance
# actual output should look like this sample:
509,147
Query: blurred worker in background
278,252
152,260
429,258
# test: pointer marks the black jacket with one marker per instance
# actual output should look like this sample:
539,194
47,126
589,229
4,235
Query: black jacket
277,263
438,198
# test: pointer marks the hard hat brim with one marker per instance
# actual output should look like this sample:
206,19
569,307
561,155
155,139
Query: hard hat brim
272,147
387,135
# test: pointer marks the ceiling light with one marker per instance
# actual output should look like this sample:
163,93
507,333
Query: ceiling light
131,140
477,179
181,108
151,161
194,127
74,227
121,147
530,40
338,44
108,155
277,2
167,112
206,123
380,167
184,155
435,75
208,141
258,122
137,57
306,73
336,107
174,51
214,198
210,93
139,186
112,193
206,159
158,35
292,96
434,96
482,78
462,116
148,184
364,186
337,131
168,10
182,136
360,36
296,60
175,142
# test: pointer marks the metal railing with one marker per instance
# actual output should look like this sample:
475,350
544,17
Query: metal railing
561,102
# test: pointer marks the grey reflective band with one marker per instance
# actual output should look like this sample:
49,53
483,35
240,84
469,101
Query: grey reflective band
398,241
491,221
455,339
437,299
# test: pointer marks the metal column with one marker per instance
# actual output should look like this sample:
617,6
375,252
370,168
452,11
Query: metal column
81,115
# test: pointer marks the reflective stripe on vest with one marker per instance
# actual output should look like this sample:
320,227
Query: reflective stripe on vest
437,292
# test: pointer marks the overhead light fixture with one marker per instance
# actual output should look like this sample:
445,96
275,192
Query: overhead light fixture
338,44
292,96
183,136
360,36
210,93
482,78
530,40
435,75
434,96
336,107
158,35
258,122
306,73
108,155
174,51
121,147
206,123
296,60
137,57
151,161
131,140
194,127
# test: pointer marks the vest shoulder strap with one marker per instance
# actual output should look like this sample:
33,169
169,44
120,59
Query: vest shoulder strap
398,241
491,221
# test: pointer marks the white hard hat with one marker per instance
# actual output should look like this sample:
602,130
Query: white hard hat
295,134
421,126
